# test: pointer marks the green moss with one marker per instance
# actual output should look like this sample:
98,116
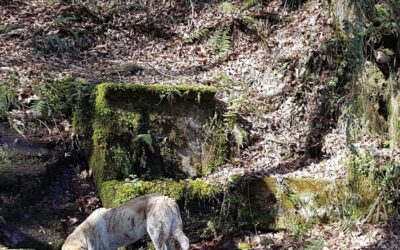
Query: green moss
170,188
243,245
198,188
319,189
275,205
172,116
158,88
129,120
120,161
98,163
386,19
218,152
101,105
363,184
83,118
113,193
261,201
369,90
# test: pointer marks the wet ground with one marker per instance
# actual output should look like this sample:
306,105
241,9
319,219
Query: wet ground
43,195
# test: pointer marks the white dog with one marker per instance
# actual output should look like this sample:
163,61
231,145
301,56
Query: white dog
108,229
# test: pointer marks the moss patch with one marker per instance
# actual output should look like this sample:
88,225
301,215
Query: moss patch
370,91
153,131
282,204
114,193
267,203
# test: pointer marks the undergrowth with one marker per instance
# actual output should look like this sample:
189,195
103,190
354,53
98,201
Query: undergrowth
8,100
63,41
248,17
60,98
237,104
367,171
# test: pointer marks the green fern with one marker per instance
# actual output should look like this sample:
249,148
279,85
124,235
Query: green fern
197,35
239,18
65,40
227,8
247,19
8,99
65,20
220,42
40,107
240,135
249,3
51,44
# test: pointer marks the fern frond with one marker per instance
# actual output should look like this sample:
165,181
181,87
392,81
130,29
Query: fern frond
240,135
220,42
247,19
249,3
40,107
65,20
197,35
225,44
214,39
227,7
8,99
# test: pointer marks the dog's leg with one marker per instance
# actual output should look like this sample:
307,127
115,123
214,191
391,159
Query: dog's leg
158,242
181,238
158,237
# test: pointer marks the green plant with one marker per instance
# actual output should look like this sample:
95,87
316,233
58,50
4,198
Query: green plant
227,8
60,98
4,29
317,244
62,41
195,36
211,228
243,246
51,2
220,42
298,230
387,202
367,173
4,156
65,20
239,17
8,99
237,104
385,19
170,95
40,107
13,79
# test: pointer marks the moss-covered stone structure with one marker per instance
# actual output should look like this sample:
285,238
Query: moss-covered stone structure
164,139
154,132
269,203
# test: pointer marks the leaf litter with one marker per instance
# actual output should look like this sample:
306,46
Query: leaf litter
146,46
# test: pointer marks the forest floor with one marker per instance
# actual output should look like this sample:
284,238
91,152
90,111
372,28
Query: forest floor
291,133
